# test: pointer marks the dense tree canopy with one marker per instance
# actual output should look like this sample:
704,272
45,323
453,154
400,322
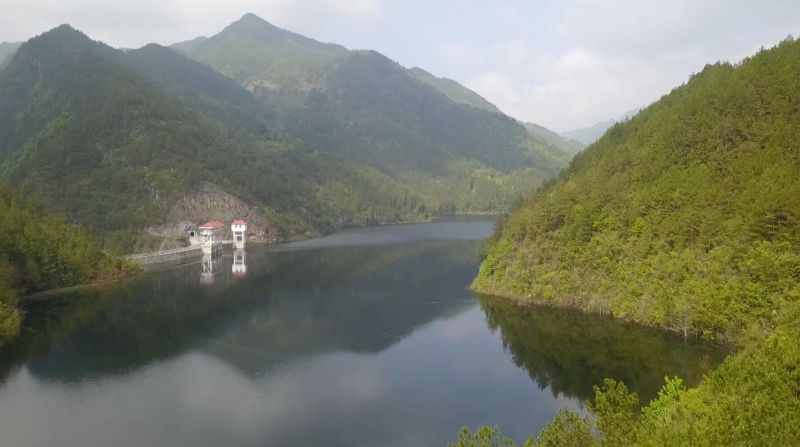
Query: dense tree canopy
684,217
39,251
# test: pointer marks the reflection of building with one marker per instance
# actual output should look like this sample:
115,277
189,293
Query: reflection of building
211,237
212,267
238,229
239,266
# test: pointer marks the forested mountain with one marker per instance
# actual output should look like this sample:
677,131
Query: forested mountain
303,137
7,50
684,217
361,106
114,139
453,90
462,95
567,145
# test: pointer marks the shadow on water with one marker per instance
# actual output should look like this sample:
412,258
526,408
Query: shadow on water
569,351
277,307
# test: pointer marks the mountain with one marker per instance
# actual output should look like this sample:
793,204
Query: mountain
122,142
565,144
683,217
361,106
462,95
263,57
453,90
588,135
7,50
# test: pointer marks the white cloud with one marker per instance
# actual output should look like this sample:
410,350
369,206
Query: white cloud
500,88
606,58
460,57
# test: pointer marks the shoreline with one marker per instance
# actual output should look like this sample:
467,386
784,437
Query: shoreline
51,293
536,302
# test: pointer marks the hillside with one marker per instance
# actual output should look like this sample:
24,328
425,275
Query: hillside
453,90
7,50
684,217
361,106
39,251
114,149
567,145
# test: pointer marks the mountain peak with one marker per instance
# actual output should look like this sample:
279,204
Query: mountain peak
64,29
255,29
252,17
63,35
253,24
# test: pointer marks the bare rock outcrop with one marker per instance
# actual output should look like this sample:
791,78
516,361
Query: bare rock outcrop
207,202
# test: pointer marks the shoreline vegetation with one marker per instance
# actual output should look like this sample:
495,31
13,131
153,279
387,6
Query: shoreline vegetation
685,218
129,269
530,303
39,252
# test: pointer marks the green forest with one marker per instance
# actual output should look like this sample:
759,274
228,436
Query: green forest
685,218
38,252
112,139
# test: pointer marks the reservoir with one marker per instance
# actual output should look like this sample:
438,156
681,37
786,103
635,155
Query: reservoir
367,337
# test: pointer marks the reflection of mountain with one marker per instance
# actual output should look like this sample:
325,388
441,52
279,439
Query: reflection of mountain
359,299
291,304
571,351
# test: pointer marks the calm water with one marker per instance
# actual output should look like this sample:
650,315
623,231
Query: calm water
366,338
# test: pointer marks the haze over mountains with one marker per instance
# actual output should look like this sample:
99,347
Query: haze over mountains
7,49
590,134
360,105
299,136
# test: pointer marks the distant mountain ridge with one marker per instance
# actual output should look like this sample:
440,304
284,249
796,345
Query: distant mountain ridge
568,145
588,135
430,134
7,50
115,139
302,136
453,90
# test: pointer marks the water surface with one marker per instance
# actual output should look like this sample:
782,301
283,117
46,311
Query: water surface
368,337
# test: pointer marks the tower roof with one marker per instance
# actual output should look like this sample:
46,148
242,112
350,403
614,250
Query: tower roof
213,225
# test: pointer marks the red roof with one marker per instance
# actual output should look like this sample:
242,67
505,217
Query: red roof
214,224
239,222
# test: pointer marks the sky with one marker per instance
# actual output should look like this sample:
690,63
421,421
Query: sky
562,64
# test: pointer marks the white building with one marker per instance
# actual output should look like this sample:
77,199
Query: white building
211,237
238,229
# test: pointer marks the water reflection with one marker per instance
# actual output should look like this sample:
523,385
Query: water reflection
239,265
211,263
345,341
292,304
570,352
